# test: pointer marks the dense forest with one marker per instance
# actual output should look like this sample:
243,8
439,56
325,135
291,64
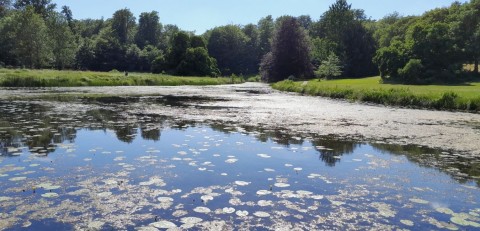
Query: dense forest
344,42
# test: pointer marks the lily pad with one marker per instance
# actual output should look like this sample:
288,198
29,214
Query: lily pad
242,213
104,194
445,211
228,210
263,192
164,224
202,210
384,209
282,185
2,199
191,220
165,199
50,195
231,161
261,214
418,201
407,222
242,183
263,155
95,225
264,203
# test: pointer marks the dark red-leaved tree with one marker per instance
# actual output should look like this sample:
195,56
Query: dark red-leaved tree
289,55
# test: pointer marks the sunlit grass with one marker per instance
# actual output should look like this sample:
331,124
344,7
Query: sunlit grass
54,78
447,97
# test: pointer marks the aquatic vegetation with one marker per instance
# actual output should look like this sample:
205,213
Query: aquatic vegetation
164,224
50,195
418,201
196,177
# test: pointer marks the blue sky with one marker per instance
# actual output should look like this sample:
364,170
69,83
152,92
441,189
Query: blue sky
200,15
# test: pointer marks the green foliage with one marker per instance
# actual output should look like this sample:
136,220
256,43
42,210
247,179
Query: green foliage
197,41
463,98
49,78
41,7
290,54
412,71
266,29
354,44
62,41
330,68
197,62
321,49
443,39
149,29
31,39
227,45
390,59
123,26
159,64
180,44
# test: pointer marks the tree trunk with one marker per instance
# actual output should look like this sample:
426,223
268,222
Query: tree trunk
475,68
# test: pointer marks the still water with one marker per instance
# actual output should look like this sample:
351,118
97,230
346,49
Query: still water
102,169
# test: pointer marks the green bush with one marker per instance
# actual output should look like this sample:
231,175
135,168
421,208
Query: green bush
412,71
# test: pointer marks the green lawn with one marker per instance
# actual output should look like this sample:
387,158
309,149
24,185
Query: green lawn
447,97
54,78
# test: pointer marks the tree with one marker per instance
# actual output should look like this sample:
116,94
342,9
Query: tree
147,57
149,29
62,42
290,54
197,62
466,29
390,59
197,41
123,25
227,45
355,45
305,21
8,29
330,68
180,44
252,56
41,7
32,41
5,6
68,16
109,52
266,29
321,49
85,56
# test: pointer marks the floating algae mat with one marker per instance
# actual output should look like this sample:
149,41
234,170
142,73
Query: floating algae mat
104,169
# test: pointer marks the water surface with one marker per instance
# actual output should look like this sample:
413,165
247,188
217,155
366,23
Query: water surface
105,169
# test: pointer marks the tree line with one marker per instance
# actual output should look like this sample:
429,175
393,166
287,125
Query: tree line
343,42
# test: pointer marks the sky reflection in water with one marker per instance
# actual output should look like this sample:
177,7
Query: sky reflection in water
103,169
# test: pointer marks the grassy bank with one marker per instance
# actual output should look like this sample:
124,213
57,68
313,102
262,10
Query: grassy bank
54,78
461,97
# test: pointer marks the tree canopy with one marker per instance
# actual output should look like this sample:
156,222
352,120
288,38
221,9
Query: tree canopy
290,53
442,45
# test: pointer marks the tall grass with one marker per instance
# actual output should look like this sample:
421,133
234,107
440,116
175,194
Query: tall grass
458,98
53,78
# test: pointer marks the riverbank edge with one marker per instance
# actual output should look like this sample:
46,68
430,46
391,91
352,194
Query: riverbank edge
401,97
55,78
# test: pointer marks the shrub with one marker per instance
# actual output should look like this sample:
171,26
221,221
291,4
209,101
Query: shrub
412,71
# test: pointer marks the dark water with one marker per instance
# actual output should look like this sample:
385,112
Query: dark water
106,169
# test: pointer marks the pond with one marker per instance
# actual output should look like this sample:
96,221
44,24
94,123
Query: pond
104,169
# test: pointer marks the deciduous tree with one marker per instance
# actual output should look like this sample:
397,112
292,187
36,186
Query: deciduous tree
290,54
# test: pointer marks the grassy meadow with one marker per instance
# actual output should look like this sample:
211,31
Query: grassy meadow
443,97
54,78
